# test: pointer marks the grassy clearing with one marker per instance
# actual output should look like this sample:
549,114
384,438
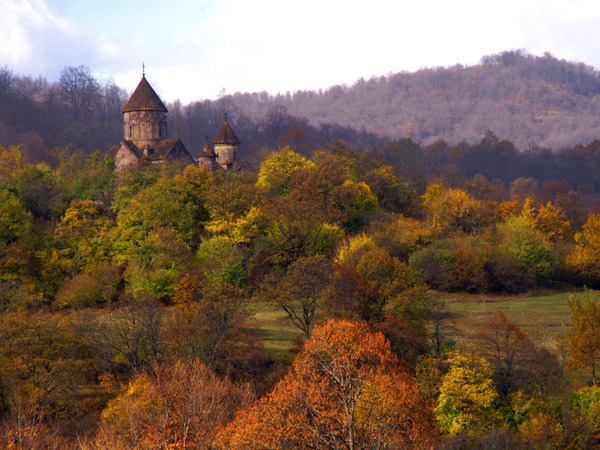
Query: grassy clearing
273,327
543,314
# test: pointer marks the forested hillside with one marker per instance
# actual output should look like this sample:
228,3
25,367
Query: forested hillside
529,100
302,306
338,296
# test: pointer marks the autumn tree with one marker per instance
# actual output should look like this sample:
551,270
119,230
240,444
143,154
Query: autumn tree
43,364
366,277
467,395
222,261
296,228
392,194
584,337
275,171
299,291
85,230
130,339
529,247
209,324
451,209
15,220
506,347
584,261
548,219
178,407
345,390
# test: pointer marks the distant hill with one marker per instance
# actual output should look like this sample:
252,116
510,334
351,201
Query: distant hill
529,100
533,101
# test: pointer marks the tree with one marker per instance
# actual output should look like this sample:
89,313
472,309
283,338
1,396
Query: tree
275,171
529,247
584,337
392,194
299,291
179,407
453,209
15,220
584,260
209,324
221,261
296,228
549,220
506,347
79,89
345,390
523,188
85,231
467,395
43,363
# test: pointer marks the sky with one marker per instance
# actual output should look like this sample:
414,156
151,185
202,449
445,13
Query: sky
201,49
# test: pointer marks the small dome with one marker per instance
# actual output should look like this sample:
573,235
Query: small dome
207,151
226,135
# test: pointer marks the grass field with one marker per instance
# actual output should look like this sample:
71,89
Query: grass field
542,314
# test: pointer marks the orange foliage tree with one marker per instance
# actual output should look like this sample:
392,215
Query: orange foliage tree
346,389
178,408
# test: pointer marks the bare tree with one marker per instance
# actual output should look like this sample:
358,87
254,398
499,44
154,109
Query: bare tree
79,89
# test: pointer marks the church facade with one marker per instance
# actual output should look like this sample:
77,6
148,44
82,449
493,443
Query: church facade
146,137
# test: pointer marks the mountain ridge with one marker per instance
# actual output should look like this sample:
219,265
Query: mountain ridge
533,101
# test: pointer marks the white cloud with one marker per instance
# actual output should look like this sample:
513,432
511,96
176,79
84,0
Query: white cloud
194,48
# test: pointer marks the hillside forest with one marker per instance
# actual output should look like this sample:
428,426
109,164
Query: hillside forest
306,304
131,303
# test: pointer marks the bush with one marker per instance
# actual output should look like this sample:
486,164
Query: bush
450,266
528,247
506,274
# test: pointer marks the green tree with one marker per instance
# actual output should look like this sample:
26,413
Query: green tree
222,261
529,247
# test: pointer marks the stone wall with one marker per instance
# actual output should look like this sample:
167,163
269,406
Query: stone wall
145,128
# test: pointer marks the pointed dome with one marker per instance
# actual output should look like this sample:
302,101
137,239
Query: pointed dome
226,135
207,151
144,99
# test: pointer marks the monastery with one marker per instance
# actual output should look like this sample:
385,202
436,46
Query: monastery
145,137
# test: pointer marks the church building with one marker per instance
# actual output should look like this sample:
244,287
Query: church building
145,137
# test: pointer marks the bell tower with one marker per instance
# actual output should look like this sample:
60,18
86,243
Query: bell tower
226,146
145,118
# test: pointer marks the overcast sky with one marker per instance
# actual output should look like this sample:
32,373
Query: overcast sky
196,49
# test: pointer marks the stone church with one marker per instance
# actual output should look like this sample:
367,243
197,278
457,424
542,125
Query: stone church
145,137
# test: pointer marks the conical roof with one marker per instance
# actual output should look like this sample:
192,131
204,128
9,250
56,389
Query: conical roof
226,135
144,99
207,151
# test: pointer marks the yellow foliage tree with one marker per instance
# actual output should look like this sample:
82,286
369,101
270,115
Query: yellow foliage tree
11,161
467,395
549,220
453,209
584,261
